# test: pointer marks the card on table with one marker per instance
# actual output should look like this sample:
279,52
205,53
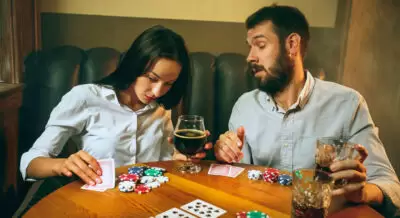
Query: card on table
219,169
203,209
174,213
225,170
235,171
108,176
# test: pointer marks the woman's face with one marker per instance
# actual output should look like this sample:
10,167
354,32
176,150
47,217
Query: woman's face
156,83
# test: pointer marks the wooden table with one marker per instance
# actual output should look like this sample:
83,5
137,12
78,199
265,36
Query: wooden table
232,194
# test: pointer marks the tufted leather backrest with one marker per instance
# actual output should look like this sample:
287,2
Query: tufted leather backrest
216,83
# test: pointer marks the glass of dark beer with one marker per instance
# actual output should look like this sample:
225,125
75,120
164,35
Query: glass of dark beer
189,139
311,193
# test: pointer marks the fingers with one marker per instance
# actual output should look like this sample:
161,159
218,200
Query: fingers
208,146
66,172
230,147
170,140
222,156
350,175
91,161
348,164
240,134
200,155
362,151
74,168
351,187
80,167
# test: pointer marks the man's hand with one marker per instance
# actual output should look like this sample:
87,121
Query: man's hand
197,157
229,146
354,172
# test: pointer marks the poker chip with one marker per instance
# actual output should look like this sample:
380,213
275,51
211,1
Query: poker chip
152,172
256,214
147,179
242,214
162,179
285,179
129,177
159,169
140,189
270,175
126,186
254,174
153,185
137,170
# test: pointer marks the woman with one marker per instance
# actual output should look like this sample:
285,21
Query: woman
124,116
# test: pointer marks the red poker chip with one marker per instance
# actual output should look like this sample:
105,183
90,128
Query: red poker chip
241,214
128,177
272,170
140,189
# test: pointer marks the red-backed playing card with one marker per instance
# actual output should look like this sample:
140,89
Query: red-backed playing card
219,169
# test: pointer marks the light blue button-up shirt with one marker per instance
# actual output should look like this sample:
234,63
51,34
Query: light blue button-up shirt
287,139
93,118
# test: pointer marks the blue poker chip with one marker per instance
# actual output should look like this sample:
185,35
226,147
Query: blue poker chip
284,179
138,170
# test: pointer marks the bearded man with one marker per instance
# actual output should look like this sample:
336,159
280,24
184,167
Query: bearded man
278,124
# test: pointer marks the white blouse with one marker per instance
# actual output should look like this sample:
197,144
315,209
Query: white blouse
93,118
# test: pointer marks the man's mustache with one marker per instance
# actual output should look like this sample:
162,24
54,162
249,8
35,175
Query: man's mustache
256,68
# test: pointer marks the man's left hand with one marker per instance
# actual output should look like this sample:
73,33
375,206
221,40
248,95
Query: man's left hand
355,173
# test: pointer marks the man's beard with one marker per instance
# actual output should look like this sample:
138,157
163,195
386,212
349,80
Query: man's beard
278,76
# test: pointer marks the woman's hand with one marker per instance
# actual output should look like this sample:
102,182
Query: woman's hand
81,164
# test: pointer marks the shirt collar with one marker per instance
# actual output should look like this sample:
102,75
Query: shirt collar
305,92
109,94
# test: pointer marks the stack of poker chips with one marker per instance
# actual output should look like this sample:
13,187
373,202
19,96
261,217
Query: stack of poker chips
254,174
251,214
141,179
285,179
270,175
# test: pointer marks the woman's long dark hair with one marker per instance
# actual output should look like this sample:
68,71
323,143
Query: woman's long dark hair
153,44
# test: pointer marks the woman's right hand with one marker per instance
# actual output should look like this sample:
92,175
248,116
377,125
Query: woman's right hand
83,165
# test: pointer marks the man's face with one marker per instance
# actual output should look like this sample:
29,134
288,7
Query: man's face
269,59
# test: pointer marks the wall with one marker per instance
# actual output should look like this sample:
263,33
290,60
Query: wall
320,13
87,31
371,66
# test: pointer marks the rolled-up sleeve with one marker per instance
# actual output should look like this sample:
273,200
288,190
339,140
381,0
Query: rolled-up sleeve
67,118
379,169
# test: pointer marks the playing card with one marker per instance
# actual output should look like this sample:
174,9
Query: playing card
88,187
203,209
219,169
235,171
108,176
174,213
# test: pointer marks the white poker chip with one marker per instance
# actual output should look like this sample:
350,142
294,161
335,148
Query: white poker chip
147,179
162,179
254,174
126,186
153,185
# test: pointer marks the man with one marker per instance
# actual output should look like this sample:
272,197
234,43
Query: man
277,125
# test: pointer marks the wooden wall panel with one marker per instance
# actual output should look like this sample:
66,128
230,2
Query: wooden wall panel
372,66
